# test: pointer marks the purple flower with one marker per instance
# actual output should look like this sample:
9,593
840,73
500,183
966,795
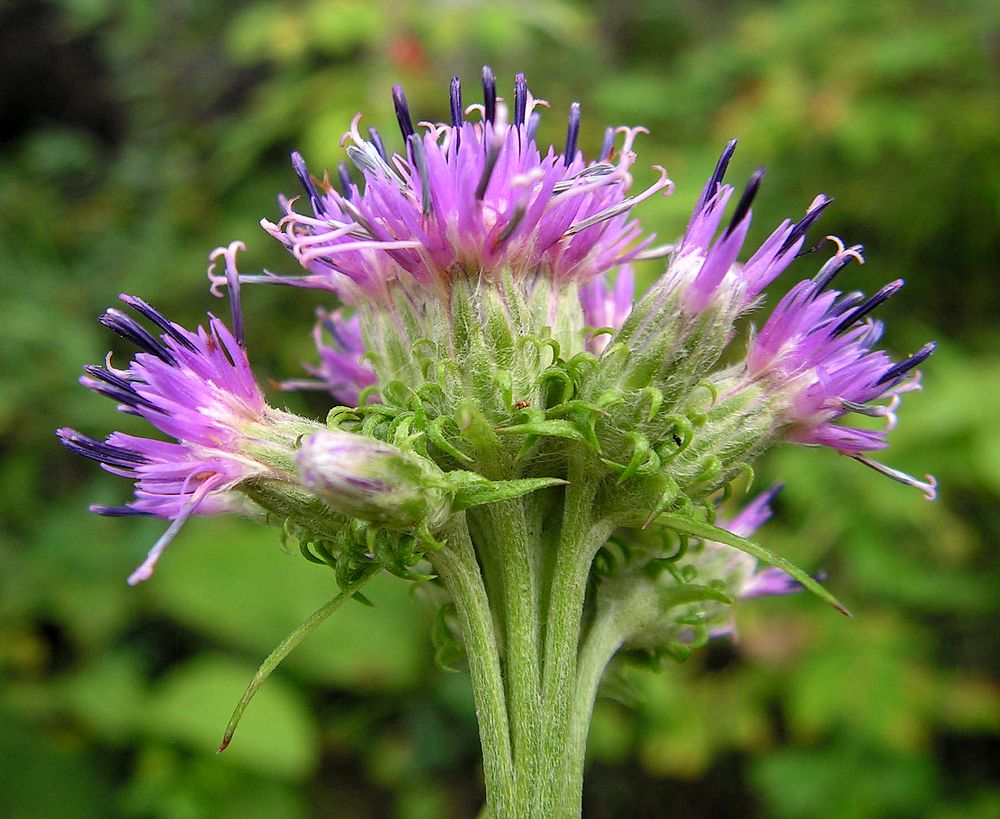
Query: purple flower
341,370
464,198
738,571
817,352
607,306
703,265
195,387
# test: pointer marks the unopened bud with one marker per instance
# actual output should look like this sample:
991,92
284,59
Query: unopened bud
373,481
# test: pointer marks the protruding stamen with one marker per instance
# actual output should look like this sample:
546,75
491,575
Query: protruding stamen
572,132
302,172
456,103
117,511
99,451
819,204
837,263
928,485
532,128
743,206
114,387
145,571
157,318
376,140
608,146
860,312
492,155
127,328
489,94
420,164
717,175
664,182
346,183
402,112
897,371
232,283
520,99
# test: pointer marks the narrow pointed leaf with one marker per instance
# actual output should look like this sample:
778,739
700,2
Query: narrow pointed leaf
714,533
288,645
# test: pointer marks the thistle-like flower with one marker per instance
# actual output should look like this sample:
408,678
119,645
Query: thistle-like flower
605,306
738,573
465,199
342,370
197,387
816,351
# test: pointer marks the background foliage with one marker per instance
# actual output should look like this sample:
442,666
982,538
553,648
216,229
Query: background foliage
136,137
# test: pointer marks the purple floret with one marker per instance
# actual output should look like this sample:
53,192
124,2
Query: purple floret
818,348
341,370
465,198
196,387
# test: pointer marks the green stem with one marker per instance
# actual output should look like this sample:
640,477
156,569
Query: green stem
286,646
456,564
580,538
521,626
607,634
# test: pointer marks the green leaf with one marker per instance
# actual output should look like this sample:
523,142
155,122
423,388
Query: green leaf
704,530
478,491
551,429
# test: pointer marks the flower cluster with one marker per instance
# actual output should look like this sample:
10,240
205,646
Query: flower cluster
514,428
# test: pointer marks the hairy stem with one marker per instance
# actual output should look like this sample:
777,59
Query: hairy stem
456,565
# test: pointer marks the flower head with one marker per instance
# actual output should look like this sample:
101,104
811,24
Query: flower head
703,265
341,371
197,388
465,198
605,306
817,350
738,572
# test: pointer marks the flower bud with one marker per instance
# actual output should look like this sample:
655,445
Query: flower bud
373,481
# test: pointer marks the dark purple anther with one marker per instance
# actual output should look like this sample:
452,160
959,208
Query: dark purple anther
345,178
717,176
520,98
806,222
108,377
115,388
489,94
490,162
833,267
456,103
860,312
572,132
402,112
743,206
98,450
420,163
376,139
117,511
608,146
299,164
127,328
897,371
158,319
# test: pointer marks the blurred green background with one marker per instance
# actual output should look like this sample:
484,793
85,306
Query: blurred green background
138,136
